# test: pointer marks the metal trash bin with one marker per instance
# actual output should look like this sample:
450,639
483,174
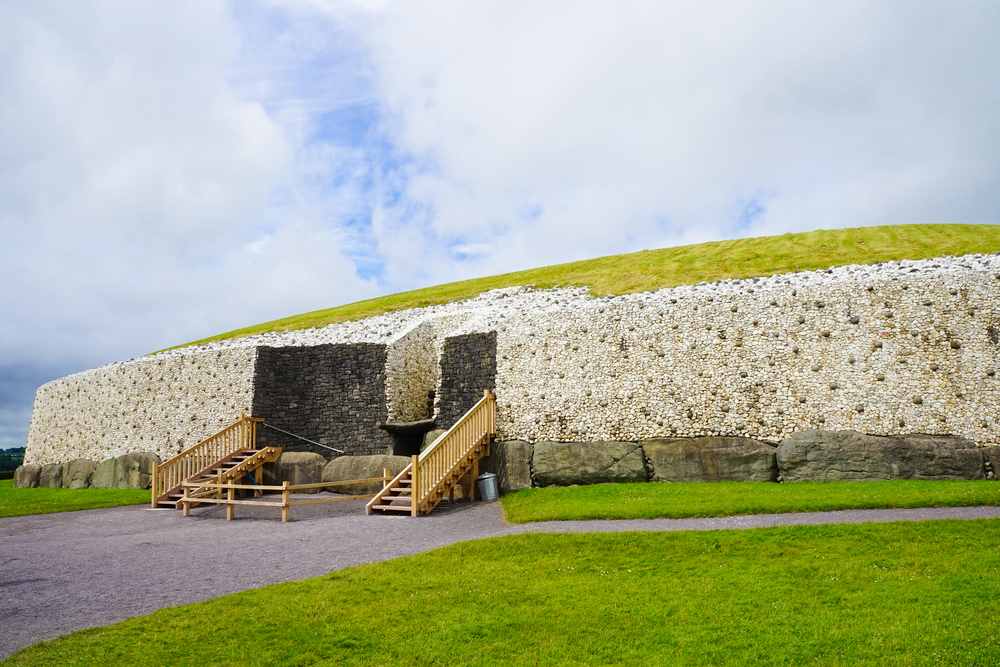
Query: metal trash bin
489,489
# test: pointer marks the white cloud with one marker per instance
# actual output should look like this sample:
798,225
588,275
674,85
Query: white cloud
133,176
622,126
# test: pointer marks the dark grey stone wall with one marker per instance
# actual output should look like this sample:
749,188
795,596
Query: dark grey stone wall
333,394
468,367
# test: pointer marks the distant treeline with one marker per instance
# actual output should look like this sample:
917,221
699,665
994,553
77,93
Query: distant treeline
11,458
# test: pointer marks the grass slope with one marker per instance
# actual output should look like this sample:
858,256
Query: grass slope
893,594
704,499
21,502
669,267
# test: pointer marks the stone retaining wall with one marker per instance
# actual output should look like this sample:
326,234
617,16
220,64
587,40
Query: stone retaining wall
879,350
331,394
161,404
885,349
468,368
412,374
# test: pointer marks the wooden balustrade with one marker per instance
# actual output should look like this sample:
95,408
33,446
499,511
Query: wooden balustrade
170,474
433,467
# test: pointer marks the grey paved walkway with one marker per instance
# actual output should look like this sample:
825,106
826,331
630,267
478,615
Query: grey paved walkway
74,570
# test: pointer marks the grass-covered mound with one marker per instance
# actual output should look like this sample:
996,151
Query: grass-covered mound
21,502
709,499
685,265
893,594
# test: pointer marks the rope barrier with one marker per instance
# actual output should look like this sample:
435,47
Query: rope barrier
311,442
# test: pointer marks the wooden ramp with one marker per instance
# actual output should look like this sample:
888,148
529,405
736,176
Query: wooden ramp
433,475
227,457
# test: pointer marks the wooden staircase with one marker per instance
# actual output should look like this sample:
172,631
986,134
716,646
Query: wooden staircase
225,458
433,474
398,496
230,470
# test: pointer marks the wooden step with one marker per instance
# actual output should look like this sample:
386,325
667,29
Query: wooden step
398,508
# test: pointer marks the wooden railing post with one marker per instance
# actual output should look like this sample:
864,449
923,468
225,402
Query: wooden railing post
154,486
414,485
230,507
387,474
184,501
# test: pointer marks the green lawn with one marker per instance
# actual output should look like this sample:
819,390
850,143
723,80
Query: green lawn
705,499
20,502
892,594
684,265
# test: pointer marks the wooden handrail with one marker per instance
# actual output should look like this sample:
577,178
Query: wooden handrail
445,454
455,454
169,475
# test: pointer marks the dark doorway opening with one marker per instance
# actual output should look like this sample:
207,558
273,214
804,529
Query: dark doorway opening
407,437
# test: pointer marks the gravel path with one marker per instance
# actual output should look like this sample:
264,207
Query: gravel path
74,570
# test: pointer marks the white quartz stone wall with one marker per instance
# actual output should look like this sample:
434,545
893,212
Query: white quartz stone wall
901,347
412,370
160,404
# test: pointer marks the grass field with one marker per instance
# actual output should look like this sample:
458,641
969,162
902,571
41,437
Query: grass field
892,594
21,502
707,499
669,267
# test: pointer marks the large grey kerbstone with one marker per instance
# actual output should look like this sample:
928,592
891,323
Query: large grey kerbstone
711,459
361,467
137,469
26,476
107,475
50,476
828,456
78,473
296,468
510,461
565,463
128,471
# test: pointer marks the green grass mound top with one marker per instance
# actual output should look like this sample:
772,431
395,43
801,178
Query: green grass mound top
922,593
21,502
684,265
712,499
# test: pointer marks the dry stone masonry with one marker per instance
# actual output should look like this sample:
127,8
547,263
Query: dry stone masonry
333,394
881,350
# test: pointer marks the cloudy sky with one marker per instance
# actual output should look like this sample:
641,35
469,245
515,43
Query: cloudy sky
172,170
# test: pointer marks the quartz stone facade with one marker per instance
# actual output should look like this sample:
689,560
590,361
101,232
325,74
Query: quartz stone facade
885,349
